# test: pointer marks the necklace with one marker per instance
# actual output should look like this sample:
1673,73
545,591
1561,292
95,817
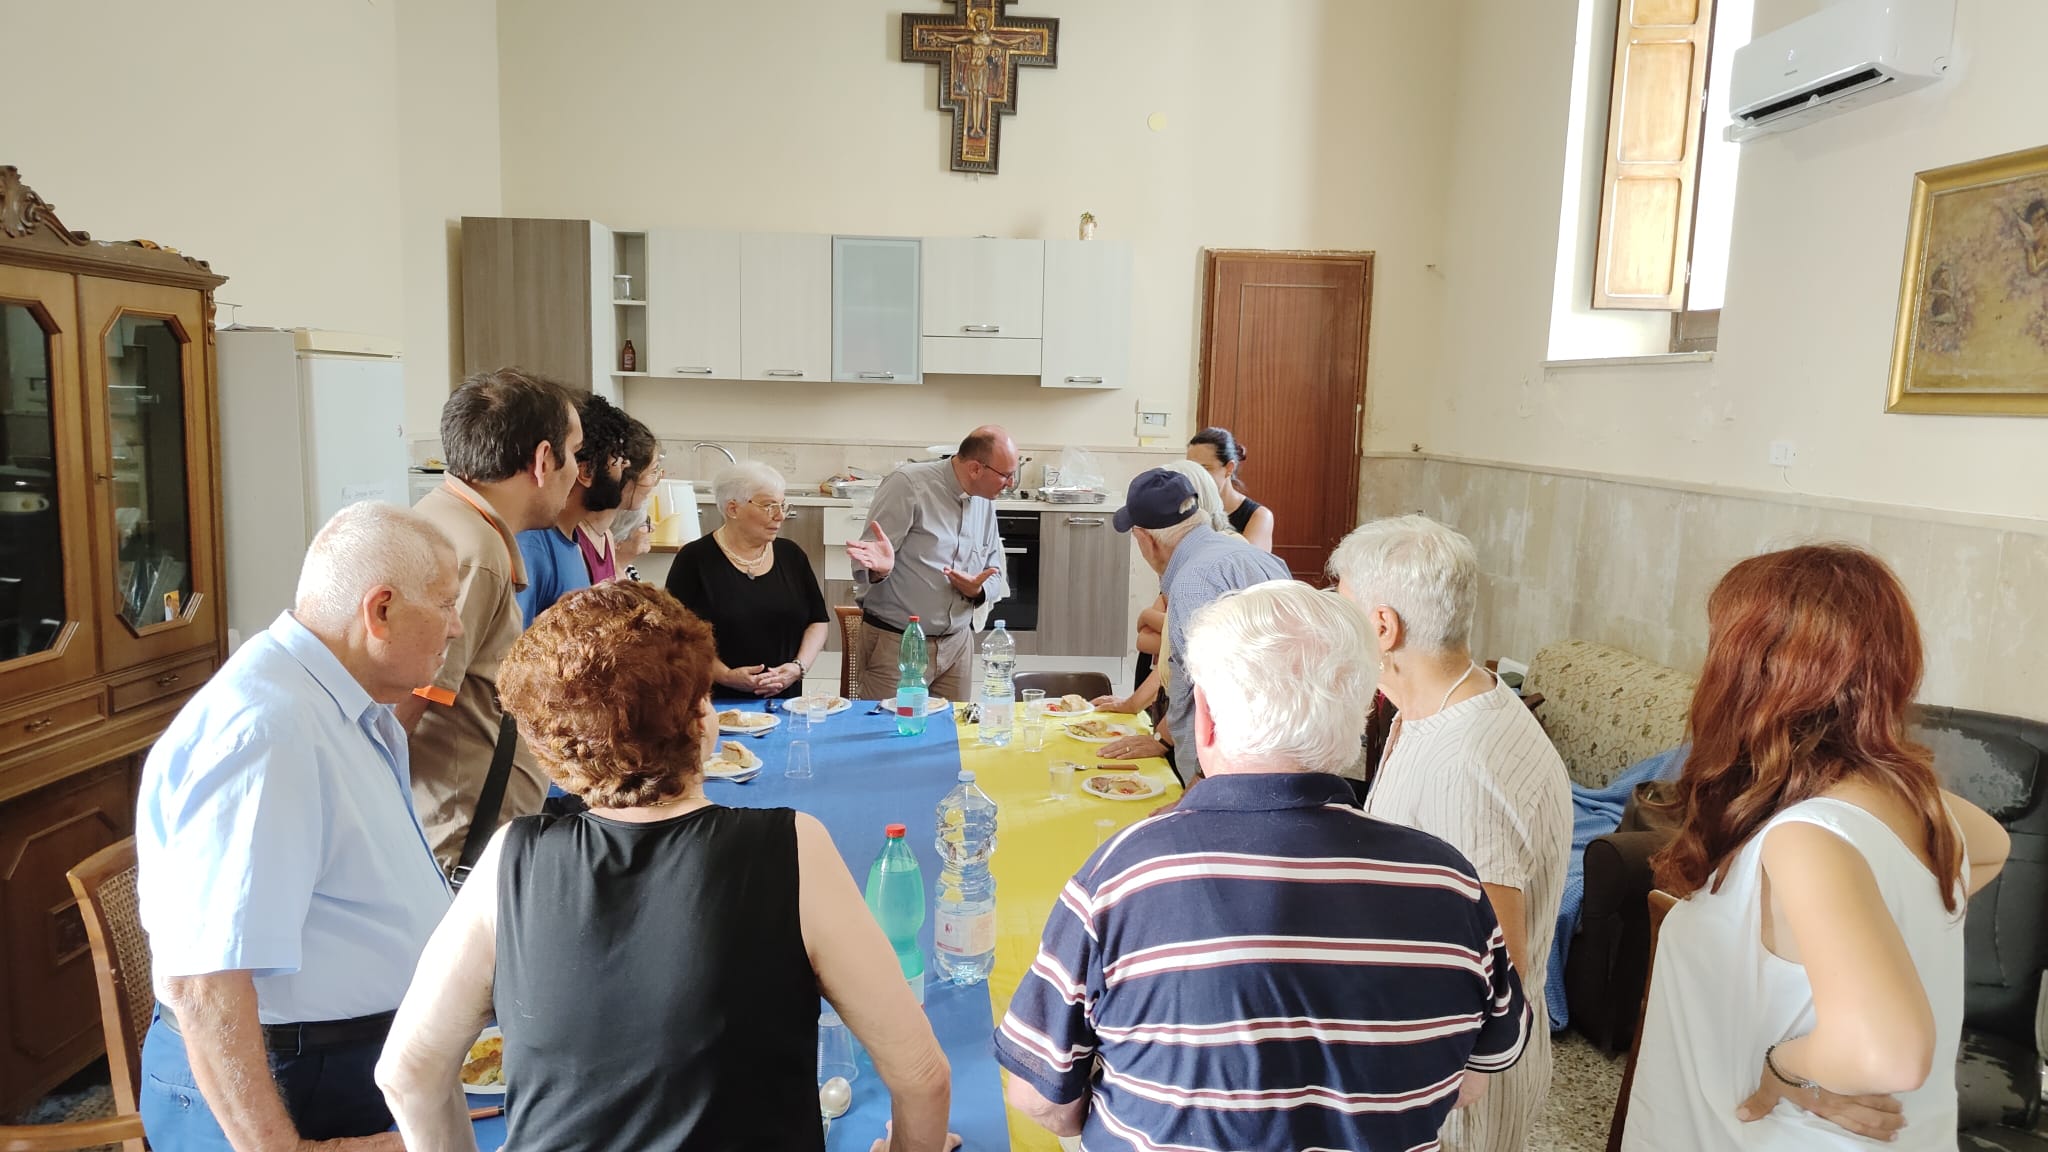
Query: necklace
760,561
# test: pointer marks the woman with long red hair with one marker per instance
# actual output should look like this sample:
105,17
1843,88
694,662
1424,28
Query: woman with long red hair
1808,988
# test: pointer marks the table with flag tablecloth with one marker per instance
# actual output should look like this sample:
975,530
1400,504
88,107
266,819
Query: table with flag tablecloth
865,777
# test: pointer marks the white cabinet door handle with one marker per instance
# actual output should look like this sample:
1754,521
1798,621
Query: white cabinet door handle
782,372
695,371
1084,521
981,327
1084,379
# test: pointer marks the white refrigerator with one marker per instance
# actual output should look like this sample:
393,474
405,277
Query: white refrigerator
310,421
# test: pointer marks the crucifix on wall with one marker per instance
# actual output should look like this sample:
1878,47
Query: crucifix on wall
978,49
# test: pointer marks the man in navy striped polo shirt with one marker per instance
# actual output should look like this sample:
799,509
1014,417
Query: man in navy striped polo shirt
1265,966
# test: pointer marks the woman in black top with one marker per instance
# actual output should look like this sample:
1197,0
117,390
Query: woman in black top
1216,450
654,962
755,589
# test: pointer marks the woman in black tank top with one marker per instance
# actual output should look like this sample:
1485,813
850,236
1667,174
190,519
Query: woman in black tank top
1218,451
654,962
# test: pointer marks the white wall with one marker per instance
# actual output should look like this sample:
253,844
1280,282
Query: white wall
257,136
1806,330
448,168
1289,124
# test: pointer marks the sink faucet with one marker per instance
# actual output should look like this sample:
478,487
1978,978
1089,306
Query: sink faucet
720,447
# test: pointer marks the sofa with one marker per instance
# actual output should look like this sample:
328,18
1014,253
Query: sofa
1605,709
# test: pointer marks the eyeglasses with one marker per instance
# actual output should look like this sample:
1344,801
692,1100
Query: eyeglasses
773,507
1009,477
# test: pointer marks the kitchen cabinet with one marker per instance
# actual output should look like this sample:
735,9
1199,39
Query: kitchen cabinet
693,304
1083,594
110,585
875,310
537,294
984,303
785,306
1087,341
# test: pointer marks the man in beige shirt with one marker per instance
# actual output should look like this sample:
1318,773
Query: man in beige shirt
510,440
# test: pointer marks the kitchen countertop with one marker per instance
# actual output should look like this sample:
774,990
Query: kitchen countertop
802,501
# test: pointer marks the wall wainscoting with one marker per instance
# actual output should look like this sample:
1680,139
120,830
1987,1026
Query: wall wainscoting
1629,562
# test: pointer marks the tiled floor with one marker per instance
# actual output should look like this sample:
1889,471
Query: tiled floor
1583,1084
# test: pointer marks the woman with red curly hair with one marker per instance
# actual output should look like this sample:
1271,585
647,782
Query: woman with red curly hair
1809,985
654,962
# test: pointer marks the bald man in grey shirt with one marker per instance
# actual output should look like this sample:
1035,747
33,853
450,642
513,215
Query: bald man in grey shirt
932,551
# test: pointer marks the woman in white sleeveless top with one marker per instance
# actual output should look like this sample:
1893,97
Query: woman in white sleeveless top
1808,989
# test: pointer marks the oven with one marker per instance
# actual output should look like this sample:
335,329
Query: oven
1021,552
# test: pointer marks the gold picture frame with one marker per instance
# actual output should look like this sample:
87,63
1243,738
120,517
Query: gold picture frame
1972,335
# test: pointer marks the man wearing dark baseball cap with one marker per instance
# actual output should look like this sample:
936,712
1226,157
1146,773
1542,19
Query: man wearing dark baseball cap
1196,565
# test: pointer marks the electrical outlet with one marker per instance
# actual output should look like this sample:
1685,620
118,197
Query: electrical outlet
1783,454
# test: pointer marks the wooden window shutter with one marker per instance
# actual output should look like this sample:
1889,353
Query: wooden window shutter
1653,154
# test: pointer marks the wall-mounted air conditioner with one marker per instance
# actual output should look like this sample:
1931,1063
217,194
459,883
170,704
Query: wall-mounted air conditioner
1851,53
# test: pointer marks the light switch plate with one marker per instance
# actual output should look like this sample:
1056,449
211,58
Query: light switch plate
1152,424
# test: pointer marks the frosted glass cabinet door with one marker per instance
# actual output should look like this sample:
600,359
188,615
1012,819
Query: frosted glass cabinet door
874,310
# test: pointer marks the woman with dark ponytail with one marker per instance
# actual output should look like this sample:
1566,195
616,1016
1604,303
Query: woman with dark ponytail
1216,450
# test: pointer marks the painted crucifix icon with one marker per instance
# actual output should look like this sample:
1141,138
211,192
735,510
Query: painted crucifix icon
978,50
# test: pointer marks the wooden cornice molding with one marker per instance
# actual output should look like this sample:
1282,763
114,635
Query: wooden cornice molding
31,234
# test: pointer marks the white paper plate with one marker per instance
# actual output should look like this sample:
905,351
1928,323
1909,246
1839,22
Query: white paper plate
719,769
838,703
1065,715
748,730
497,1089
1089,784
1117,732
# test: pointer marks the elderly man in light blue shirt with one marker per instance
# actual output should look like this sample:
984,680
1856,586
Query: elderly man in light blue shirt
284,879
1196,566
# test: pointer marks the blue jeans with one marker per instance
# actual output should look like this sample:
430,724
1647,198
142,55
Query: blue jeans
330,1094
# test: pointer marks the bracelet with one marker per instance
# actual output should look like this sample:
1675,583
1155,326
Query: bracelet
1788,1081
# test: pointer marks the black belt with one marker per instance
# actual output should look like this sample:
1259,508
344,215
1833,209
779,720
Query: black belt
312,1036
873,621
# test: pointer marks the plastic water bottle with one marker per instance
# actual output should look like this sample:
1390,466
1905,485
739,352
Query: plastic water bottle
911,692
895,896
964,928
998,685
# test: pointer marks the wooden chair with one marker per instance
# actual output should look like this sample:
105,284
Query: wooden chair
72,1135
1087,685
1661,902
849,649
105,886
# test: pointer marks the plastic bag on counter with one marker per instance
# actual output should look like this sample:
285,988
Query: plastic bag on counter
1078,468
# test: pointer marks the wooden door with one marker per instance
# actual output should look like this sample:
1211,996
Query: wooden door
150,426
1283,367
785,306
526,299
1087,342
46,603
693,304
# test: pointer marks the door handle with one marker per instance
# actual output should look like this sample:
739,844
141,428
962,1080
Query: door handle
691,371
877,375
1085,521
782,372
167,679
1016,551
40,723
981,327
1084,379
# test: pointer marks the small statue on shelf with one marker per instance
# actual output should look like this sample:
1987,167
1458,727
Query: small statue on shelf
1087,225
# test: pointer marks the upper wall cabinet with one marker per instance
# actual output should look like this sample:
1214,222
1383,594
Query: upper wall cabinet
785,306
535,294
983,289
874,310
693,304
1087,340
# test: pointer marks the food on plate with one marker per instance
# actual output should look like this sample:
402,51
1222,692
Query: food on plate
827,703
1122,784
1068,703
1096,729
734,718
732,753
485,1064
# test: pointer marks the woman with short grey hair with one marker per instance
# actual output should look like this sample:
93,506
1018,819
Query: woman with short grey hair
755,589
1468,764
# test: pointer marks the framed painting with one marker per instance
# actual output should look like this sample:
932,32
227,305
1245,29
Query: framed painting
1972,336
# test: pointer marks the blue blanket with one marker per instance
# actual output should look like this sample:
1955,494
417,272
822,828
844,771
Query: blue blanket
1595,812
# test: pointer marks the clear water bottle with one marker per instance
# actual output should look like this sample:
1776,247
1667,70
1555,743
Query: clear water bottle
998,685
964,919
912,694
895,895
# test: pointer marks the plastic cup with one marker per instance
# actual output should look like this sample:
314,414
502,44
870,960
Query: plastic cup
1063,779
1104,829
1033,700
835,1050
799,761
1034,735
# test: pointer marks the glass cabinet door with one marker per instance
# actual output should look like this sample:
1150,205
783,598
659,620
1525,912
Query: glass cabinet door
145,377
45,567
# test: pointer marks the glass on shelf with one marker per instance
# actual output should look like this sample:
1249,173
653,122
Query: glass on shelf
146,417
32,609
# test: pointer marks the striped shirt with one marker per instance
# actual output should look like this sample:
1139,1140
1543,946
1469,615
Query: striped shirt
1266,967
1483,776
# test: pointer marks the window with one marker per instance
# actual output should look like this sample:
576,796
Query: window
1649,188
